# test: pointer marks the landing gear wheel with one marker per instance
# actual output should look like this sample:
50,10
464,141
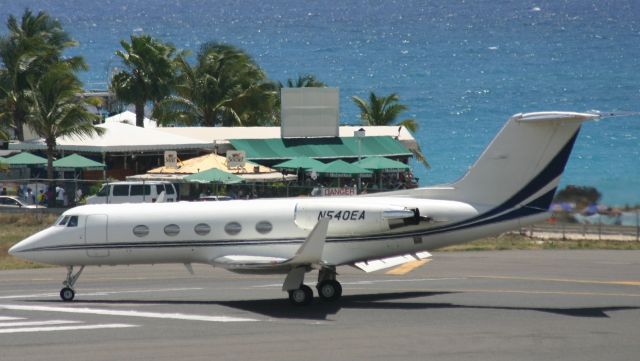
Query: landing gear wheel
329,290
67,294
301,296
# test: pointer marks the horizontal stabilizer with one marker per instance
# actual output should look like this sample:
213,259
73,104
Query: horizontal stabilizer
379,264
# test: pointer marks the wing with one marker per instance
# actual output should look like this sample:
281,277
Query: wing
309,253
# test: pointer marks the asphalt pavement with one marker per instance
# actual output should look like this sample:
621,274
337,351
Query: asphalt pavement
509,305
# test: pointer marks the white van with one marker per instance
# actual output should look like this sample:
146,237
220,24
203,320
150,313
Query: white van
134,192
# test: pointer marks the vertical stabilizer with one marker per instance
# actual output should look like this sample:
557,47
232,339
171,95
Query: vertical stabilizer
523,163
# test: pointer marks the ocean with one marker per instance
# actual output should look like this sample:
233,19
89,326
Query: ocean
462,67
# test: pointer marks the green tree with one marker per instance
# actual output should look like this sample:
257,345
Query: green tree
57,110
225,86
149,73
385,110
304,81
33,44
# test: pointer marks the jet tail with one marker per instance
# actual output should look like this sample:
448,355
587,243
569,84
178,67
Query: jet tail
520,167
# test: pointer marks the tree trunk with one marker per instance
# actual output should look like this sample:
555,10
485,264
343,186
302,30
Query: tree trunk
51,148
140,114
18,120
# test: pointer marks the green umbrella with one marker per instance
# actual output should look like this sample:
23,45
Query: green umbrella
25,159
75,162
340,168
381,164
299,163
213,175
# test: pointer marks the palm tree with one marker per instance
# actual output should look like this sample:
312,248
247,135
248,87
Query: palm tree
225,87
57,110
149,73
385,110
304,81
33,44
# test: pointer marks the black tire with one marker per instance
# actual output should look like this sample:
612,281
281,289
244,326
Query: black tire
302,296
67,294
329,290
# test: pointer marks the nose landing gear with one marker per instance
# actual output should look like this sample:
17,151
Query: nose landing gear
67,293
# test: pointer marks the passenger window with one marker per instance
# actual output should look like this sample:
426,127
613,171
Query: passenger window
172,230
73,221
233,228
104,191
202,229
159,188
140,230
264,227
121,190
170,189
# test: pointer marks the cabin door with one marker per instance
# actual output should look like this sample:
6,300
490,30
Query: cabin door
96,235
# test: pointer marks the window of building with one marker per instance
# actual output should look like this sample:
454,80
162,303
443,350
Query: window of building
171,230
264,227
141,230
202,229
233,228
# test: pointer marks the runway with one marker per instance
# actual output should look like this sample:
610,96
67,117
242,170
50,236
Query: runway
510,305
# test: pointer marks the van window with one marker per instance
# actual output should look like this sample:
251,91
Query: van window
121,190
170,189
104,191
159,188
137,189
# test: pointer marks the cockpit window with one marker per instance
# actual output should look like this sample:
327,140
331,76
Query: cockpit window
62,221
73,221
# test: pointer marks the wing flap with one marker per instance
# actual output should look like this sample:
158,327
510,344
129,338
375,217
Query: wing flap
384,263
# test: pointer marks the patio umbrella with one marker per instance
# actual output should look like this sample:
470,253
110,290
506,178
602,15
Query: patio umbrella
381,164
213,175
340,168
24,159
299,163
77,162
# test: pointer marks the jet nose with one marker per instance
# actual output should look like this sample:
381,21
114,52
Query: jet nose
18,247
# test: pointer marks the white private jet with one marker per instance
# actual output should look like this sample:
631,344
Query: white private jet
510,185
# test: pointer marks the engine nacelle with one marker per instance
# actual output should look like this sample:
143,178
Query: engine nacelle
347,219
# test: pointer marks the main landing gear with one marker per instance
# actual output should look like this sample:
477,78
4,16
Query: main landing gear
329,289
67,293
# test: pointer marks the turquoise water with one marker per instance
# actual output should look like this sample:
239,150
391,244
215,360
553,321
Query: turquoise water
463,67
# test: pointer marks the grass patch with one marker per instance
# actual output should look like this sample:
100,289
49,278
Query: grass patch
15,227
510,241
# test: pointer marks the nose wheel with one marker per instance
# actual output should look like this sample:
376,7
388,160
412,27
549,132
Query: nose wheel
67,294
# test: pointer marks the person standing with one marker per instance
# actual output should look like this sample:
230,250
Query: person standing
60,196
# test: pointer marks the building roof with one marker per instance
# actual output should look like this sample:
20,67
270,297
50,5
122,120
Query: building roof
320,148
129,117
223,135
119,137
